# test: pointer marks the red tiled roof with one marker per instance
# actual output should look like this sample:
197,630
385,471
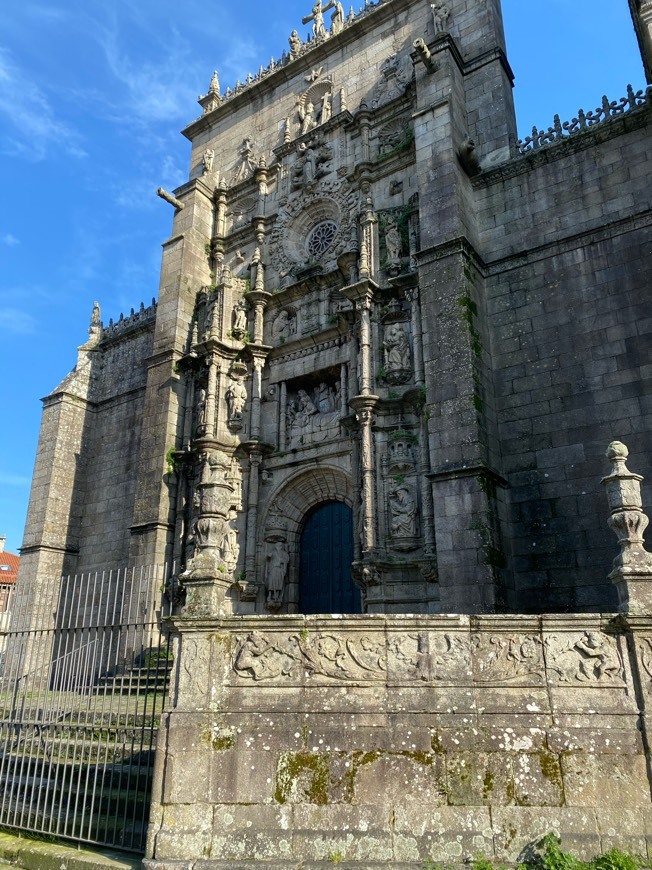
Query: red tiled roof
12,561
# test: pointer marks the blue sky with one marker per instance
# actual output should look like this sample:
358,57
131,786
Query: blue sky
92,96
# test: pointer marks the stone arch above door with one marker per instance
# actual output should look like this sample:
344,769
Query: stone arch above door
289,508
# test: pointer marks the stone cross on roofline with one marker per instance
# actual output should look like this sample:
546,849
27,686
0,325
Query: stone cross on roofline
317,18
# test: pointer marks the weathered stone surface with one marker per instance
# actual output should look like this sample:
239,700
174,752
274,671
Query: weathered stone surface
301,774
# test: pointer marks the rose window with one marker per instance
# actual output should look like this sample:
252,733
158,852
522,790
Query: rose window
321,238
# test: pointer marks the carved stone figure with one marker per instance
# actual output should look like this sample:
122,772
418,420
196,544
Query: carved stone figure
440,15
295,44
200,413
207,160
324,399
236,399
277,567
230,546
240,319
284,325
95,317
307,116
305,169
468,157
337,19
317,18
403,510
397,349
246,165
393,241
326,108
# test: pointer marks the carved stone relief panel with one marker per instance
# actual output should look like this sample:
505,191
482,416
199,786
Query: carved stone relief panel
246,164
590,658
240,212
505,659
395,75
319,656
394,136
284,326
313,412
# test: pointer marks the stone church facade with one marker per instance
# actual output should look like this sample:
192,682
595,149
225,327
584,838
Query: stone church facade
390,346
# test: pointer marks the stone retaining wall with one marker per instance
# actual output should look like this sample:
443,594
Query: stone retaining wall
378,741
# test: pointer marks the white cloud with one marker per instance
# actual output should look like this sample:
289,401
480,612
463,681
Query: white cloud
9,240
16,321
29,112
7,479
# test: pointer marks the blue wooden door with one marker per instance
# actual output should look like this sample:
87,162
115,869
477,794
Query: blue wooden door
325,584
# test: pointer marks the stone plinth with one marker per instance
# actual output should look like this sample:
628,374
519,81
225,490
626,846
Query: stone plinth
378,741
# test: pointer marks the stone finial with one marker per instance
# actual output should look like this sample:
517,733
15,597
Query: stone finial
632,571
214,87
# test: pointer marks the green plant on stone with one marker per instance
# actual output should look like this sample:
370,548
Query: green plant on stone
335,857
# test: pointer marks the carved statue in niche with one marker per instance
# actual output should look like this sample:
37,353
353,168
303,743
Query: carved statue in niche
236,399
278,560
284,325
305,168
207,160
307,116
295,44
337,19
326,108
200,413
397,354
393,241
440,15
240,319
230,546
403,512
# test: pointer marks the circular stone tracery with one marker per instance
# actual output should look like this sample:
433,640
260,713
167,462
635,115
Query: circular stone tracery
321,238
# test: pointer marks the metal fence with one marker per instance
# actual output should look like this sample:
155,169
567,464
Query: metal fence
84,677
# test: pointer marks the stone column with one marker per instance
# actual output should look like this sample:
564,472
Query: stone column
220,211
282,418
211,396
427,502
256,395
258,299
632,571
412,296
206,579
255,458
364,408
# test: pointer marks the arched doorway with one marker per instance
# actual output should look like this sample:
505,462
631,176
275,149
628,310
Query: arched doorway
326,554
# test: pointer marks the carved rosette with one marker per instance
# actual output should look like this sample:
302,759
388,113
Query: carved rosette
332,202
